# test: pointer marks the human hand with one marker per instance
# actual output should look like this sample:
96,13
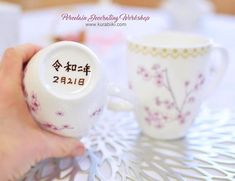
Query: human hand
22,142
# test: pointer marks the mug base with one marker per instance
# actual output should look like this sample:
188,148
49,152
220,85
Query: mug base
164,137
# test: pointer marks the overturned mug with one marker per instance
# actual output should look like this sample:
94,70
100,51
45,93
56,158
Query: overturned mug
66,89
171,73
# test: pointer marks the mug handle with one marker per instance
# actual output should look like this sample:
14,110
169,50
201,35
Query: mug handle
127,102
219,72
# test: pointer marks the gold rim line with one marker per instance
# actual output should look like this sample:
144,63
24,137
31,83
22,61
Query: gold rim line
169,52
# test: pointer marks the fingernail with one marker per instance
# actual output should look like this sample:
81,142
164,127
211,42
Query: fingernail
78,150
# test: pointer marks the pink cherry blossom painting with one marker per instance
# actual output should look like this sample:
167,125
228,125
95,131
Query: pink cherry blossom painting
51,126
34,104
97,112
159,77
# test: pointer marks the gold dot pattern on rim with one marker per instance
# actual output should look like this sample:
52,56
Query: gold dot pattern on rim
168,53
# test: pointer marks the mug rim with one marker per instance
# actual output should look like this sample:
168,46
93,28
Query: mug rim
63,96
136,40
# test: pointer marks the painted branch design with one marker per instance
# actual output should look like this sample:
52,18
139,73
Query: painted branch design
55,128
97,112
159,76
34,104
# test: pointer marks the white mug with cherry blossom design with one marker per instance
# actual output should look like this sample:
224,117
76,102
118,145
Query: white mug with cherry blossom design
66,89
171,73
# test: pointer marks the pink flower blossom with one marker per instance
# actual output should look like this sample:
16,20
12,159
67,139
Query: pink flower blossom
202,81
182,121
191,99
155,66
146,75
159,76
140,70
165,117
146,108
188,113
196,87
148,120
166,102
34,104
34,96
66,127
33,109
159,126
130,85
59,113
186,83
55,128
169,107
47,125
180,116
156,114
212,70
97,112
159,82
158,102
200,76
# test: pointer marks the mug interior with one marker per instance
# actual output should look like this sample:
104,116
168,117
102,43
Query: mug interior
171,40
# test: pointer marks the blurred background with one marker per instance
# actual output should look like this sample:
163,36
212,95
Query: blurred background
224,6
41,22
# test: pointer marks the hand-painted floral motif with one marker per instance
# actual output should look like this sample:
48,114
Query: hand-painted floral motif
59,113
34,104
159,76
55,128
97,112
130,85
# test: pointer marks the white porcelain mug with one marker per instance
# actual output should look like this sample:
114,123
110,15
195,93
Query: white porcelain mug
66,89
169,73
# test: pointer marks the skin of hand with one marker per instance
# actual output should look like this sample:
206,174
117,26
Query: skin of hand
22,142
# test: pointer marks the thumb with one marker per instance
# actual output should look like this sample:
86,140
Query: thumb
58,146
